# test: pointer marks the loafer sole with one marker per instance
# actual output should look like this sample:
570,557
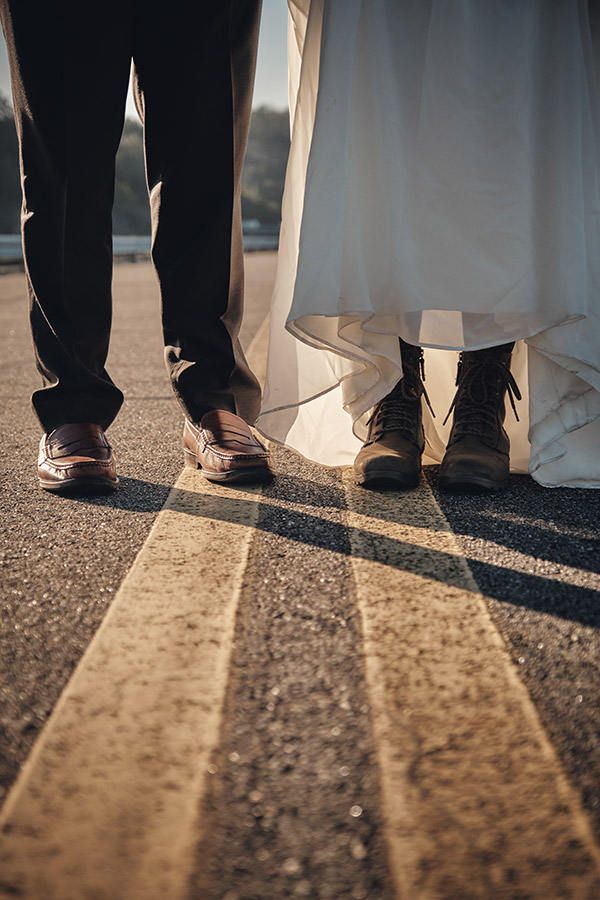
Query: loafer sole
81,485
248,475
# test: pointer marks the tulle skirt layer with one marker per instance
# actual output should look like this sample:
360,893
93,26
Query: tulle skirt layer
442,186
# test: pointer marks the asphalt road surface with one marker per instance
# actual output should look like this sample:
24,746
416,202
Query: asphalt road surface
304,690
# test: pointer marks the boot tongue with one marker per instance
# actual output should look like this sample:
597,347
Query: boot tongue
406,389
478,391
485,377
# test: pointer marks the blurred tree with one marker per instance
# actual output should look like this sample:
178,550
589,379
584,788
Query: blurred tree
5,108
264,169
131,211
10,180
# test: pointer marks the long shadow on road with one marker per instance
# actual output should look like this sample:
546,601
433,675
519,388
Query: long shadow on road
504,522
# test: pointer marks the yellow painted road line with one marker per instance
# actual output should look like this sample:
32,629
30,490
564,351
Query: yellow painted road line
474,799
513,560
107,805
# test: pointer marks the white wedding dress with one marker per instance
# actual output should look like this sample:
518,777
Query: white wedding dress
442,186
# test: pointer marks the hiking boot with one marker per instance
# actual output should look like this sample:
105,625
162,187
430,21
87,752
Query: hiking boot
391,455
477,454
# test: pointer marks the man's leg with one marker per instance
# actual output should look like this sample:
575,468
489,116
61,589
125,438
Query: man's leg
195,71
69,65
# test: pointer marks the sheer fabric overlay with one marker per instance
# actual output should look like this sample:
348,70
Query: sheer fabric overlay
442,186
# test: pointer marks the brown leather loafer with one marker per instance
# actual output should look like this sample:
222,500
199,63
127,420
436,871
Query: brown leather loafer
77,458
224,448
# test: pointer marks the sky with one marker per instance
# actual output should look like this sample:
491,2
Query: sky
271,74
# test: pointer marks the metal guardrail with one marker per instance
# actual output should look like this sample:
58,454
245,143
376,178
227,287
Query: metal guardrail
129,248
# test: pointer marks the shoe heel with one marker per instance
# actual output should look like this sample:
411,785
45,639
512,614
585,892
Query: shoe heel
189,460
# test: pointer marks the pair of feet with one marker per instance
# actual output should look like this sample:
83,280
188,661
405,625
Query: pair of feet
77,458
477,453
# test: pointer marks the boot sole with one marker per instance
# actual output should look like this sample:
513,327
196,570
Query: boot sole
474,485
385,480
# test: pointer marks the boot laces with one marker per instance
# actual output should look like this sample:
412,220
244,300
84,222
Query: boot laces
481,387
400,409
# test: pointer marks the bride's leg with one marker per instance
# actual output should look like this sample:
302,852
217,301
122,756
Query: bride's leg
477,455
391,455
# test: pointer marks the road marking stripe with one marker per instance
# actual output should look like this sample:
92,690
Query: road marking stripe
524,563
475,802
428,538
108,803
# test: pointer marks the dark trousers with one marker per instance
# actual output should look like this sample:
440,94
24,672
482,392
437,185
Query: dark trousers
194,64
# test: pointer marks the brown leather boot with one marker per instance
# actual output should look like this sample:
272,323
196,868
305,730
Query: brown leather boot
477,454
391,455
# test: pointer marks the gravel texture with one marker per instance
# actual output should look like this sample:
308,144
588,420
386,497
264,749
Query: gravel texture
549,614
293,804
